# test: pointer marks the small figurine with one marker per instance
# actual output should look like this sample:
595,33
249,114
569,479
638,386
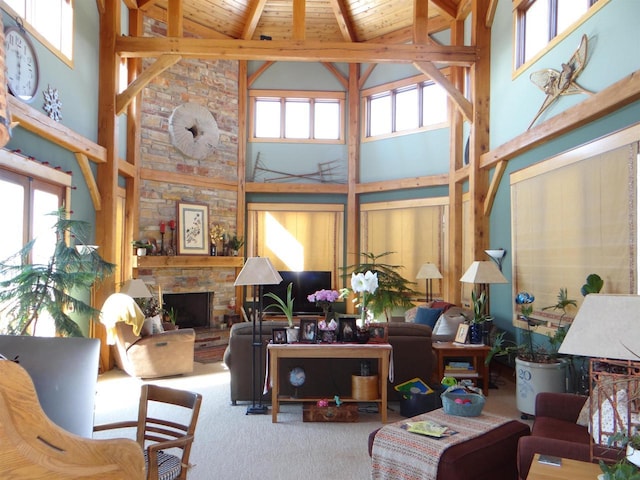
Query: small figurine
337,400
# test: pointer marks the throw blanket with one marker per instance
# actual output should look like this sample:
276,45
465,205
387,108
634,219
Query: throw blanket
398,454
120,308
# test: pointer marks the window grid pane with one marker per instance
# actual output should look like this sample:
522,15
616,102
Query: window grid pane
267,118
407,109
536,28
326,120
380,115
297,119
434,104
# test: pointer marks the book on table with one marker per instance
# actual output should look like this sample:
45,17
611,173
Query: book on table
428,428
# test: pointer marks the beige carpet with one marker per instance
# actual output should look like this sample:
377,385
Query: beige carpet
232,445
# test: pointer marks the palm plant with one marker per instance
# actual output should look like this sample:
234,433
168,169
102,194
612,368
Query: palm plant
393,289
29,291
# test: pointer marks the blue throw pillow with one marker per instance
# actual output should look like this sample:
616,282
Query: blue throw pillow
428,316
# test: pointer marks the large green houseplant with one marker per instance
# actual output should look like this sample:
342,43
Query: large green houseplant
393,289
30,291
286,307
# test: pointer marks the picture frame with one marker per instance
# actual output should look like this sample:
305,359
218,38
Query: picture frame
347,330
192,229
378,334
461,333
308,330
279,336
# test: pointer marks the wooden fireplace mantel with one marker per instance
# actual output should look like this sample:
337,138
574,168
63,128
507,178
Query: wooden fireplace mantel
186,261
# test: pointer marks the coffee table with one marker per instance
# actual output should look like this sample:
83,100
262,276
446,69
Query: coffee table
573,469
379,351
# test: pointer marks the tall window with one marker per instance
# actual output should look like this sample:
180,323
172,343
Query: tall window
32,201
298,237
410,106
297,116
539,22
51,21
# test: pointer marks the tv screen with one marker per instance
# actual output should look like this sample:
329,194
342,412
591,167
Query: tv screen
304,283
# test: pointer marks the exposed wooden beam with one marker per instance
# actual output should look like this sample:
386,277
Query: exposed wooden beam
612,98
344,23
295,51
493,186
299,19
420,21
491,13
160,14
255,75
87,173
256,7
160,65
192,180
31,119
447,7
174,18
261,187
464,105
126,169
403,184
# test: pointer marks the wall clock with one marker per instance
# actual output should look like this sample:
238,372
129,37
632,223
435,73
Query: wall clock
193,130
21,60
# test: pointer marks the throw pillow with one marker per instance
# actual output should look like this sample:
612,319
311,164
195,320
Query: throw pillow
447,326
606,416
151,326
441,304
585,414
428,316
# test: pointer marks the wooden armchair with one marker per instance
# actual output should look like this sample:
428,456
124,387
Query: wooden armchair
33,447
157,435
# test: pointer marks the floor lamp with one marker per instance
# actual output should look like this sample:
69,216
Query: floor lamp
428,271
257,271
482,274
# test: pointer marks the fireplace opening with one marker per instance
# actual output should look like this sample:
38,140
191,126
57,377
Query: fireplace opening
192,309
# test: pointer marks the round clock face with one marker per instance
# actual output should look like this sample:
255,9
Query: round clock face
193,130
21,64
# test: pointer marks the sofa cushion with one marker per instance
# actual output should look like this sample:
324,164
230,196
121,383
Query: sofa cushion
441,304
548,427
447,325
428,316
151,326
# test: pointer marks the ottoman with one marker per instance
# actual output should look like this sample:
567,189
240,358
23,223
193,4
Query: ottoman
489,456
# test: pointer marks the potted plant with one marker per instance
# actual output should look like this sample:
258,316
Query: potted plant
142,247
480,317
627,467
30,292
286,307
235,244
393,289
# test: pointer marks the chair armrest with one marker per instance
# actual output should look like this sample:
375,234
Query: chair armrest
115,426
563,406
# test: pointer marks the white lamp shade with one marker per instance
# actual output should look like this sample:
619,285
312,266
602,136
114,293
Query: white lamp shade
136,288
428,270
258,271
606,326
483,272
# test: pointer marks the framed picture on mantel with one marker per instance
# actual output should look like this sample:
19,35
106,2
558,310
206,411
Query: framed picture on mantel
193,229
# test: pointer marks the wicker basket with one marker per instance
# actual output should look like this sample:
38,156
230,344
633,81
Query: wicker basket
472,409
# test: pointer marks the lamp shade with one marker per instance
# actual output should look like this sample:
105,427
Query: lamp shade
258,271
136,288
483,272
606,326
428,270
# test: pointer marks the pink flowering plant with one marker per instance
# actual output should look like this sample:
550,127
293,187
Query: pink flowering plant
324,298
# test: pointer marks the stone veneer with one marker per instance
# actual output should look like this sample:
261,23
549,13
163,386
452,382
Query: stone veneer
213,84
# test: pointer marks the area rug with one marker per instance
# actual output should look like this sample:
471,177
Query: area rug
210,346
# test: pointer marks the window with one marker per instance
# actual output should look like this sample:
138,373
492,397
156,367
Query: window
411,105
51,21
297,116
538,22
298,237
32,203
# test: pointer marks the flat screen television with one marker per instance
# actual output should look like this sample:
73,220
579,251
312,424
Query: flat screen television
304,283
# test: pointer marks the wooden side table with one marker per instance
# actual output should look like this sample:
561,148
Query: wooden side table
573,469
476,354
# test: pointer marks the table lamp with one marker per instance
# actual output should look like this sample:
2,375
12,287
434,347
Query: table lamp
428,271
257,271
483,273
136,288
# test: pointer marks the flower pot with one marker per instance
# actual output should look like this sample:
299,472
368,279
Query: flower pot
533,378
633,455
476,331
293,334
141,252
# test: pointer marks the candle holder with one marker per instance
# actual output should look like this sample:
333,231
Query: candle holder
161,243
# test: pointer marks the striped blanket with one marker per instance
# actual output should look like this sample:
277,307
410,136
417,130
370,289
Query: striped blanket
399,454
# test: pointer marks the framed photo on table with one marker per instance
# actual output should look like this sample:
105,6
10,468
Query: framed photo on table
279,335
378,333
193,229
461,334
347,329
308,330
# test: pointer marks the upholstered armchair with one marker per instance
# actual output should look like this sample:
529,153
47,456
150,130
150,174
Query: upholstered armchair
141,349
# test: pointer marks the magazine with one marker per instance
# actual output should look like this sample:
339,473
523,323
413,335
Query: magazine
428,428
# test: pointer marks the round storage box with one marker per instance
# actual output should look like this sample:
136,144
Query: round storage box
364,387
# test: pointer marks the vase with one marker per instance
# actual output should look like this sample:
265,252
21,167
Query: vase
533,378
293,333
475,333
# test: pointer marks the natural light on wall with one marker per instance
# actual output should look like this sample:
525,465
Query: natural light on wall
283,244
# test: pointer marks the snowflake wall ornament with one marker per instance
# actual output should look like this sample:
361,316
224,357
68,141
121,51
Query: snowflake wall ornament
52,104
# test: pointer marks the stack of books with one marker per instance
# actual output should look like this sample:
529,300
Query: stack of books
458,369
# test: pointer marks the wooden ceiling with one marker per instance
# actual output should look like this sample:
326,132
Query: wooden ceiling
386,21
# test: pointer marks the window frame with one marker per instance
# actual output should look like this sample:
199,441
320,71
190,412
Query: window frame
393,88
282,96
519,11
35,33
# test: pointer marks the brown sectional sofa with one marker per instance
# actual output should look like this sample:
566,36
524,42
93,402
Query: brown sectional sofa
412,357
